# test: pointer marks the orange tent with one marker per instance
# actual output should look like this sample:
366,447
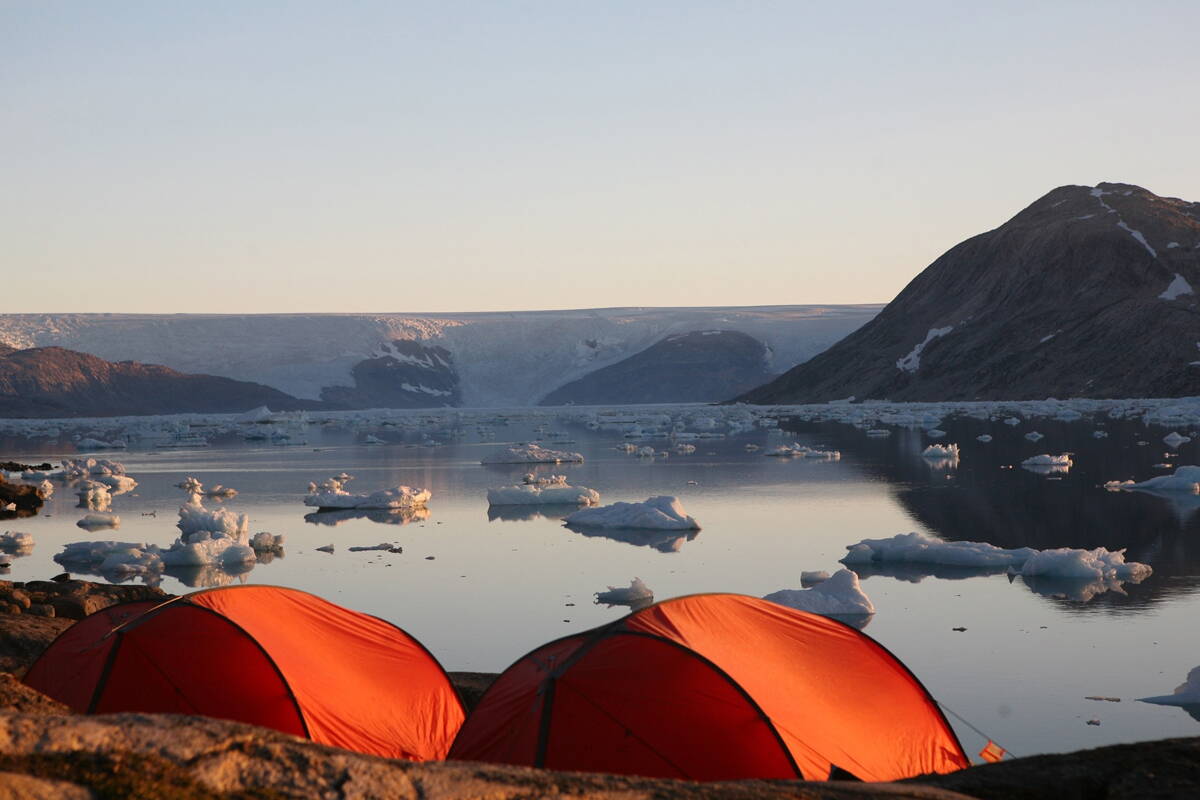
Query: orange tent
265,655
714,687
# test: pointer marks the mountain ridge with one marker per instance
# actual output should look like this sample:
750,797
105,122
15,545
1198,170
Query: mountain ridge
1087,292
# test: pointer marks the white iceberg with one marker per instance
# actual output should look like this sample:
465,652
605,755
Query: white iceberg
803,451
656,513
637,594
1046,464
1104,569
939,451
331,494
549,491
1184,479
531,454
839,595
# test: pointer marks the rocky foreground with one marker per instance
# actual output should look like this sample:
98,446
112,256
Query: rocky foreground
46,751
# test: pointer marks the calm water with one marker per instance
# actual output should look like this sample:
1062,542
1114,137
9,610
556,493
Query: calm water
482,589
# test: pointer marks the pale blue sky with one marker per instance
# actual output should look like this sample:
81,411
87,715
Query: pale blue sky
390,156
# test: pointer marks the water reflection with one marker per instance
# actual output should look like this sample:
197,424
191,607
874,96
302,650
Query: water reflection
386,516
524,513
989,498
663,541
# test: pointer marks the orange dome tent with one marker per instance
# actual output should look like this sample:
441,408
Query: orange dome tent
266,655
714,687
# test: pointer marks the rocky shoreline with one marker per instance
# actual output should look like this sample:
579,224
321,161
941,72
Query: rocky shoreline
47,751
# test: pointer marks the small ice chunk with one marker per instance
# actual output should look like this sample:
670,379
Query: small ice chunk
1099,434
1012,421
386,546
941,451
656,513
984,437
331,493
99,520
1034,436
326,549
265,542
637,593
1174,439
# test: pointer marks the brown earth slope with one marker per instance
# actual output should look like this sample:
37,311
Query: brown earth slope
1085,293
53,382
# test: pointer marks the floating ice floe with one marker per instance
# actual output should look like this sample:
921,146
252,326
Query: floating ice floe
331,494
802,451
531,454
1012,421
99,520
656,513
1184,479
191,485
1185,694
879,433
1099,434
1174,439
552,490
935,433
1101,569
687,449
372,439
1034,436
984,437
1047,464
212,546
1116,486
325,549
839,595
949,451
636,595
217,491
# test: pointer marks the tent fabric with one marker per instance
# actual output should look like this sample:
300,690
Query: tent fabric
266,655
714,687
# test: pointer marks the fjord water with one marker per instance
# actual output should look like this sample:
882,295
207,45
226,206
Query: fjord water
480,588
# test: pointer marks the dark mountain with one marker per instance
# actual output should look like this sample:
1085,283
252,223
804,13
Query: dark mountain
53,382
1086,293
699,366
408,375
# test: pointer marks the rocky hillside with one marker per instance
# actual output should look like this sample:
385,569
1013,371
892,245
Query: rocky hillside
406,375
698,366
1089,292
53,382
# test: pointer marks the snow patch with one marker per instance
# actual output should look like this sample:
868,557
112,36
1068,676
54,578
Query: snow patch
912,362
1177,288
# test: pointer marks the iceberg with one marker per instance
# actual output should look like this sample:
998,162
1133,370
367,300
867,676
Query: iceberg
331,494
1100,569
552,490
839,595
656,513
531,454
